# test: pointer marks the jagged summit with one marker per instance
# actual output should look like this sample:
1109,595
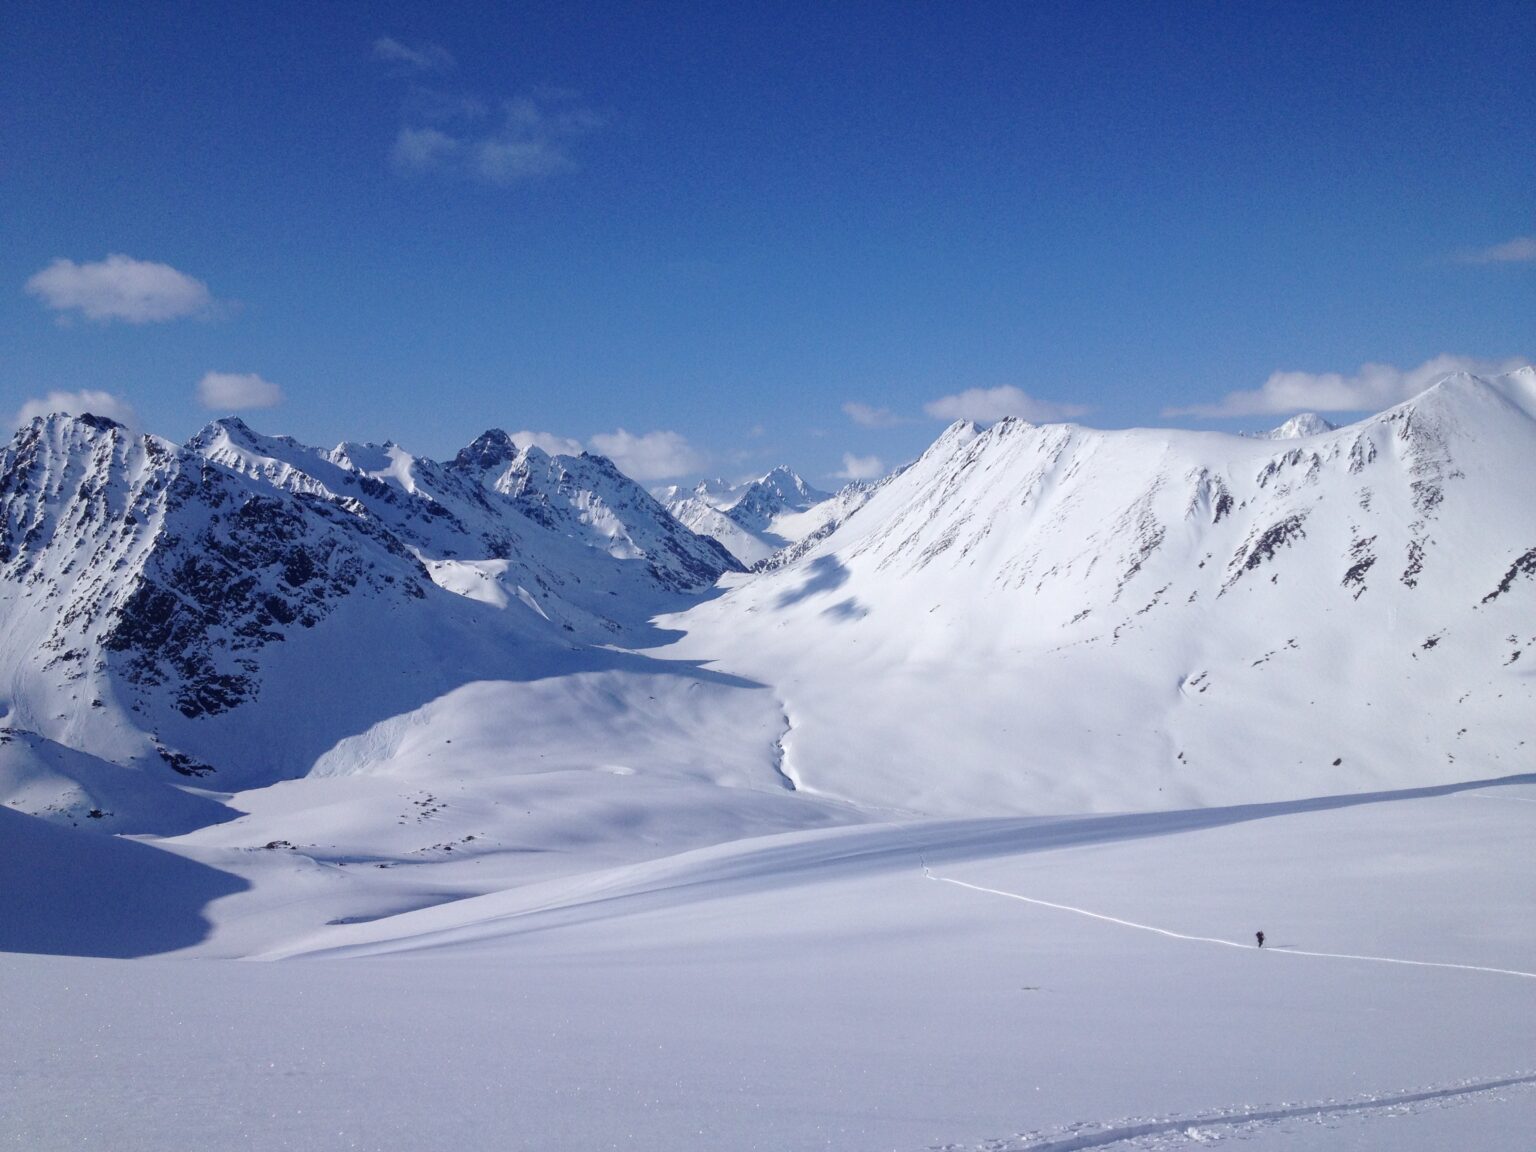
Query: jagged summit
166,603
102,423
753,519
759,504
490,449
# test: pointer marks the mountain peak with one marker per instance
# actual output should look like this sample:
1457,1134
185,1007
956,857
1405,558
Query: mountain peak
84,419
491,448
1302,424
100,423
789,484
225,427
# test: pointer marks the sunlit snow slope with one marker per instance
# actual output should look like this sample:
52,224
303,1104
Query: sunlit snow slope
1051,618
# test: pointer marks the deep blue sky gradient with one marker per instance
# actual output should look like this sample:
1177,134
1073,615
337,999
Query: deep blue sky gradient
787,207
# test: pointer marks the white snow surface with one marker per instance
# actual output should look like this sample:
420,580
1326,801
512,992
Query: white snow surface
949,827
818,990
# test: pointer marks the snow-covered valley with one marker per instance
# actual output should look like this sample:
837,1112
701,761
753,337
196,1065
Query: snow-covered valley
948,824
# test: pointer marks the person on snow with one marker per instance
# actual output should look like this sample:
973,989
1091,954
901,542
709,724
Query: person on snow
1259,936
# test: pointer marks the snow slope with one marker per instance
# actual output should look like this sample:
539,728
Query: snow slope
818,990
1051,618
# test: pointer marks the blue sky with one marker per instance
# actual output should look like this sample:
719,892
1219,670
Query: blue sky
709,238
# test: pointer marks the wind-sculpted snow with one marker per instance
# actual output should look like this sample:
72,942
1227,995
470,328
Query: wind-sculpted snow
810,990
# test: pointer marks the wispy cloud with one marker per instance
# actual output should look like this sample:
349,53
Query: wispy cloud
526,138
425,57
868,416
237,392
985,405
513,161
1372,388
653,456
120,288
550,442
860,467
424,150
79,404
528,141
1520,250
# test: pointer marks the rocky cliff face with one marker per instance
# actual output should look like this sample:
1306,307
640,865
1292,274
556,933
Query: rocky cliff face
145,586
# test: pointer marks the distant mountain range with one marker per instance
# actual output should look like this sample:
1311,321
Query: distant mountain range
752,520
239,601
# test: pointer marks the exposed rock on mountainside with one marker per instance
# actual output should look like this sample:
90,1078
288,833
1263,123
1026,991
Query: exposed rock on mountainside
1028,618
1052,617
145,587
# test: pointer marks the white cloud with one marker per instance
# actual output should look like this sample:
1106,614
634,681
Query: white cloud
1372,388
1520,250
860,467
653,456
549,442
120,288
532,139
868,416
512,161
985,405
426,58
78,404
237,391
423,149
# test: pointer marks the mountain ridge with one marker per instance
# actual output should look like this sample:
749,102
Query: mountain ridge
1115,577
1027,618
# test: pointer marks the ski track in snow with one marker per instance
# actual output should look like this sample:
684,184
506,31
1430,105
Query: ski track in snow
1207,1127
1486,796
1226,943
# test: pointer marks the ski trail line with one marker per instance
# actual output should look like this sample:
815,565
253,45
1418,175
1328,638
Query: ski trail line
1488,796
1191,1125
1227,943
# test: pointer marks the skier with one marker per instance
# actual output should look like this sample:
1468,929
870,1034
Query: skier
1259,936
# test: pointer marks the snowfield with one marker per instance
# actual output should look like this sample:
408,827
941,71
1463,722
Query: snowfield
355,800
818,990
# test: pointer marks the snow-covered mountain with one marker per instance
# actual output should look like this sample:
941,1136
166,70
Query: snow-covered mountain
1052,618
243,601
752,520
1298,426
1028,618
